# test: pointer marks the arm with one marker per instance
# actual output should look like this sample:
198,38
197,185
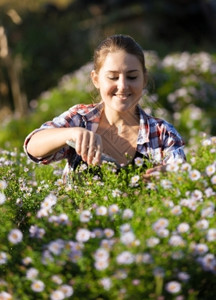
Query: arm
46,142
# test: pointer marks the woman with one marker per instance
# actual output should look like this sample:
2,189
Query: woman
117,126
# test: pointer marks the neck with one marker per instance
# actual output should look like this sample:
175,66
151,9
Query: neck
114,118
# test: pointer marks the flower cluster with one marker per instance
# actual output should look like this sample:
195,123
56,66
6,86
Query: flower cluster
113,236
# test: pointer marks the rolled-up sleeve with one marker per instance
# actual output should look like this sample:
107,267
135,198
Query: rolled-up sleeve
67,119
173,146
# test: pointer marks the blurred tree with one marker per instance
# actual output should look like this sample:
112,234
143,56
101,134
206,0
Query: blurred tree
50,38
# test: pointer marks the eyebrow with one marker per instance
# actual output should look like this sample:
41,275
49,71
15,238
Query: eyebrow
130,71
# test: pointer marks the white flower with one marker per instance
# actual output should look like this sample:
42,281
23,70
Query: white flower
176,210
207,212
2,198
101,211
116,193
127,238
201,249
15,236
151,186
5,296
57,295
213,179
32,273
127,213
106,283
152,242
36,232
194,175
98,232
160,224
101,264
208,262
147,258
197,195
183,276
176,240
202,224
101,254
42,213
83,235
107,244
166,184
186,167
183,227
113,209
209,192
83,167
125,227
163,232
63,219
56,279
125,258
26,260
49,201
138,161
173,167
173,287
3,184
67,290
211,235
210,170
85,216
37,286
56,246
108,233
3,258
134,181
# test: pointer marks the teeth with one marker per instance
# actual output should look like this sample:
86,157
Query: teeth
122,96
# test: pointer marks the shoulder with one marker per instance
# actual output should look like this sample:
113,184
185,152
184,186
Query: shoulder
82,109
158,126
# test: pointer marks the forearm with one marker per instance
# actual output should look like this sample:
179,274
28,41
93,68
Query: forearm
48,141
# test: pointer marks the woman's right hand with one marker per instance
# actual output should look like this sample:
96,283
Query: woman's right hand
88,145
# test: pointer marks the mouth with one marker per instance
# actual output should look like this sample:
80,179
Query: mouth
122,96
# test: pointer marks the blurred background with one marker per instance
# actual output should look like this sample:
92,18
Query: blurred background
42,41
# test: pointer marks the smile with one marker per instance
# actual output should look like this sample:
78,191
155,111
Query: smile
122,96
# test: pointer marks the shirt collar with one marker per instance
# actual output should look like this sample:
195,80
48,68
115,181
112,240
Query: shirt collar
94,116
95,113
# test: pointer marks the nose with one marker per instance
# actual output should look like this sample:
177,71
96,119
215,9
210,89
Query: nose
122,83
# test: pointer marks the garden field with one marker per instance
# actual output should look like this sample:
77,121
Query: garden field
107,234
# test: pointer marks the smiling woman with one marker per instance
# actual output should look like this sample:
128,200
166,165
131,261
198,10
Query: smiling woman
117,126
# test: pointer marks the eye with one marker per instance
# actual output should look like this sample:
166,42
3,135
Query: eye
113,78
132,77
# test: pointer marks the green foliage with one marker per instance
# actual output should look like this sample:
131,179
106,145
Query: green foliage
108,234
183,92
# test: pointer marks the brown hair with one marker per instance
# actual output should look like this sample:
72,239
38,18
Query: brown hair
114,43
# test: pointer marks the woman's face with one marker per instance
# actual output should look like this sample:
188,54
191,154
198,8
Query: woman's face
120,81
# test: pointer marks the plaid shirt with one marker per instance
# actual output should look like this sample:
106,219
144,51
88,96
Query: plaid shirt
157,140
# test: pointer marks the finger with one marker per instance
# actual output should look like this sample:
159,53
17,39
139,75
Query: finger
85,146
160,168
98,151
78,144
91,148
97,156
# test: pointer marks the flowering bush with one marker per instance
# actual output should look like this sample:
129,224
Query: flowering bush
108,234
183,92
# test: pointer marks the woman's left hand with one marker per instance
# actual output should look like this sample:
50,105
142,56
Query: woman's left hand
153,172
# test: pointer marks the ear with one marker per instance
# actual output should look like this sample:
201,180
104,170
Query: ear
94,77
